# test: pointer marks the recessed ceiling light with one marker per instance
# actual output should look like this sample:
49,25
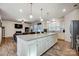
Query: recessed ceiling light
20,10
64,10
53,19
48,21
31,16
41,19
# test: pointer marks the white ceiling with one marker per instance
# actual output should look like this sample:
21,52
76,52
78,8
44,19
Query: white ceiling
10,11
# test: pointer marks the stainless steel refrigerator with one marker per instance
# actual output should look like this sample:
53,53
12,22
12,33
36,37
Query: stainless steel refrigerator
0,31
74,30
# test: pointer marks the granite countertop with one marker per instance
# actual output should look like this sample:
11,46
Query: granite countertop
30,37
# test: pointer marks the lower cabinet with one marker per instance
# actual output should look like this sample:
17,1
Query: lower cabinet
35,47
26,48
39,47
22,48
43,44
54,39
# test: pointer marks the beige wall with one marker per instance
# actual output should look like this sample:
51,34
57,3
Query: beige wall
10,29
74,15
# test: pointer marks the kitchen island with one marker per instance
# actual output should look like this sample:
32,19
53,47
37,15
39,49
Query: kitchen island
35,44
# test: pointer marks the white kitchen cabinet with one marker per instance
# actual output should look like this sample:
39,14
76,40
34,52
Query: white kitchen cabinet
44,44
32,48
35,47
41,46
22,48
27,48
54,39
48,42
61,35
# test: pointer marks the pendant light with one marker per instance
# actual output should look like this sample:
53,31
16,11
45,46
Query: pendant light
31,11
47,15
41,14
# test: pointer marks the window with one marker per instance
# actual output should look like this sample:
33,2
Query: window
54,26
37,28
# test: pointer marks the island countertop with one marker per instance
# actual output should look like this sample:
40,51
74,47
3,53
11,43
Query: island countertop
30,37
35,44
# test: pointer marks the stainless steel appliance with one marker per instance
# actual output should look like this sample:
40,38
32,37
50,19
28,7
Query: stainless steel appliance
0,31
74,30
